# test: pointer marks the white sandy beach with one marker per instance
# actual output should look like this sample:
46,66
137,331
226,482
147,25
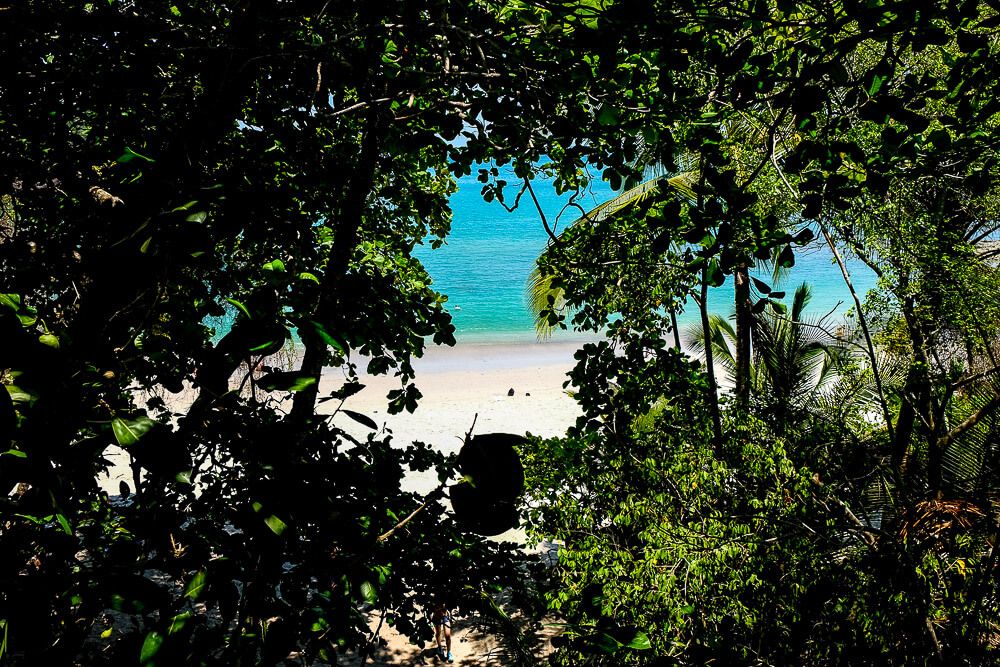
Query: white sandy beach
459,384
465,383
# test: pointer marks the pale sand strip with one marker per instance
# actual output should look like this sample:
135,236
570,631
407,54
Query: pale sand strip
465,381
457,383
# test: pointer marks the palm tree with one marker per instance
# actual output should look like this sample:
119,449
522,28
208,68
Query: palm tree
544,292
793,357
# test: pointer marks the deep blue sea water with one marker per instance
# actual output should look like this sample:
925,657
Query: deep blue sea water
489,254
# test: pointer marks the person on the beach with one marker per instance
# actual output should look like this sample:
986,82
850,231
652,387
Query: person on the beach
441,618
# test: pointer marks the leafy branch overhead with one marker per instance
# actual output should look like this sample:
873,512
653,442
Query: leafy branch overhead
204,207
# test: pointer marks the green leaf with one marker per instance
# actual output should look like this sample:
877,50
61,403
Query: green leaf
49,340
185,207
327,338
178,622
276,525
368,592
786,258
273,345
12,301
607,116
364,420
714,275
25,314
199,216
128,432
286,381
876,85
761,286
150,646
346,391
606,643
275,265
130,155
19,395
308,276
196,585
640,642
804,236
16,453
240,307
64,522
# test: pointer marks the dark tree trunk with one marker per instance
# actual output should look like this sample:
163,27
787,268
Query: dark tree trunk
713,389
677,333
744,332
346,234
916,409
345,240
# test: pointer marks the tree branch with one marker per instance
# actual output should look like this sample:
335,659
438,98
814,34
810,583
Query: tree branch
432,496
970,421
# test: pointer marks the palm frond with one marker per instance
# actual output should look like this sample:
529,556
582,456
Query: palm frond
681,184
723,341
968,465
543,294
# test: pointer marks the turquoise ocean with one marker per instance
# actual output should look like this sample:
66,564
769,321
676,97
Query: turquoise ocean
486,261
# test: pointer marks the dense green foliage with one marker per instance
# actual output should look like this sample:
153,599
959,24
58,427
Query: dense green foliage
820,513
166,166
276,163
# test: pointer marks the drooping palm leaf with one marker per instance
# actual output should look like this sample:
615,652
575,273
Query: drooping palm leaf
723,341
543,291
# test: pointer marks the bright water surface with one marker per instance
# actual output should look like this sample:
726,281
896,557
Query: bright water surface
489,254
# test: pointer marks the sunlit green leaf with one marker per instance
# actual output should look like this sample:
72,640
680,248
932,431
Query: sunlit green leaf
240,307
150,646
64,524
640,642
130,155
276,525
368,592
128,432
286,381
196,585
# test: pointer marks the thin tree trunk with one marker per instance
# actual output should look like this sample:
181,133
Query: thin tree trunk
677,333
345,240
863,321
744,327
713,389
346,232
916,397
